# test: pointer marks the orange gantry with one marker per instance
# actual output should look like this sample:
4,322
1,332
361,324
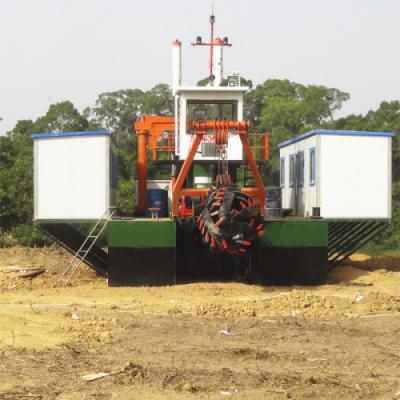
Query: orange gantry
150,129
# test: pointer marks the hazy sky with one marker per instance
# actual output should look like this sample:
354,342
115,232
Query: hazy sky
54,50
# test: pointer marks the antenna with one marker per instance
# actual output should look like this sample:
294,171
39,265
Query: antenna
223,43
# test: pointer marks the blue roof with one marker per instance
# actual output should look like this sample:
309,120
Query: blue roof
69,134
333,132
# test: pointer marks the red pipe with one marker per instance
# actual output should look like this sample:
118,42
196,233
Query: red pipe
240,126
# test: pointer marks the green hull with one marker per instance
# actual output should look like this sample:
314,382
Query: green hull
159,252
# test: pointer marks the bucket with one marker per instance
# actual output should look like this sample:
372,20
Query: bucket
157,203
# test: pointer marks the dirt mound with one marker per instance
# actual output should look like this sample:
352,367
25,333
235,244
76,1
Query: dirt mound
205,340
14,261
354,290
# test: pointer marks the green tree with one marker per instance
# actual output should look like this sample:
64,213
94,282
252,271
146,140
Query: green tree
119,110
61,117
7,156
22,128
116,111
158,101
16,180
351,122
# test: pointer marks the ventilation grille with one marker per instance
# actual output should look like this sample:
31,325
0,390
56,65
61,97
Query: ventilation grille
208,150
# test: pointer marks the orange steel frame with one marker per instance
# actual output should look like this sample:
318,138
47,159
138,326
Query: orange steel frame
201,129
149,130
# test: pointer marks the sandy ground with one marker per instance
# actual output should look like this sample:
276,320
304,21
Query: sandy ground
203,340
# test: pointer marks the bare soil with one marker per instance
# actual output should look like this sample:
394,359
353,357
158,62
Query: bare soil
198,341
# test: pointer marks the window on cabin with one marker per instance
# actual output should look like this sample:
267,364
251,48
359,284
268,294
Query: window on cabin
282,172
206,110
312,166
292,170
301,168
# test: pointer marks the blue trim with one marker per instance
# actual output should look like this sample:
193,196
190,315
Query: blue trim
301,172
335,133
313,168
69,134
292,179
282,173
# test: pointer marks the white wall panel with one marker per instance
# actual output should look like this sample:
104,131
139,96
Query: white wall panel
355,177
72,177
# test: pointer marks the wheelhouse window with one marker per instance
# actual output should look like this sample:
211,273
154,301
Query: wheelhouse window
282,172
312,166
199,110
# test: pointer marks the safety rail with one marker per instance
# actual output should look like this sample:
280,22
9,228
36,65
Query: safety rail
165,145
259,145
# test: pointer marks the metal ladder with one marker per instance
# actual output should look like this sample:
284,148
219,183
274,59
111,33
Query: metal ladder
86,246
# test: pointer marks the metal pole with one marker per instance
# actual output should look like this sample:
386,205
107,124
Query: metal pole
142,170
212,21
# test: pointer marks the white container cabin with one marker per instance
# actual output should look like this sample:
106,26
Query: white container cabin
75,175
337,174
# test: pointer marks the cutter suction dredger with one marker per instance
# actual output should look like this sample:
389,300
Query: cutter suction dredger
202,210
206,220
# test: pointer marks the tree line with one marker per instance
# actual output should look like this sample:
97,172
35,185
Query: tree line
280,107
